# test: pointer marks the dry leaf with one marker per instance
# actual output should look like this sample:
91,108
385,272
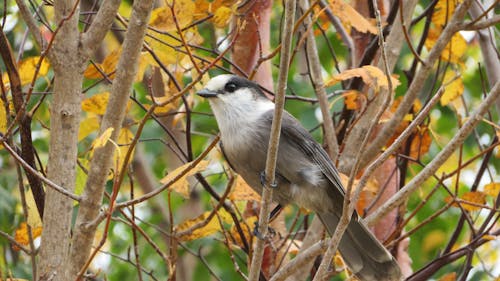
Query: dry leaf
247,228
124,140
108,66
210,228
21,235
492,189
350,17
420,143
181,186
103,138
371,75
352,99
242,191
453,87
476,197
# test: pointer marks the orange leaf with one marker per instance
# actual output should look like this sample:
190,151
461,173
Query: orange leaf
352,99
476,197
350,17
492,189
108,66
242,191
421,143
371,75
21,235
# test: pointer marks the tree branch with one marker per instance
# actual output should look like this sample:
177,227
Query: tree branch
417,84
442,156
101,24
31,23
272,152
330,139
113,118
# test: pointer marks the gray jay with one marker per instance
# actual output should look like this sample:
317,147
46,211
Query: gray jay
305,175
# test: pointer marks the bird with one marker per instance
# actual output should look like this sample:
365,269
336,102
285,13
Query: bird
305,175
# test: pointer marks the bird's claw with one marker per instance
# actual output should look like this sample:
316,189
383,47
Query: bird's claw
263,180
258,234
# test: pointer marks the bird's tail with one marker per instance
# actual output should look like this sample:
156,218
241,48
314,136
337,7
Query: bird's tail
365,256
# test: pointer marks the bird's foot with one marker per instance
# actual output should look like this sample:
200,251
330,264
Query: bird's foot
263,180
258,234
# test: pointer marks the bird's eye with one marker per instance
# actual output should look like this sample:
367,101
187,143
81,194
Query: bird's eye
230,87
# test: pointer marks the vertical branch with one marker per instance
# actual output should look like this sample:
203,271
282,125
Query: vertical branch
113,118
330,139
272,153
65,113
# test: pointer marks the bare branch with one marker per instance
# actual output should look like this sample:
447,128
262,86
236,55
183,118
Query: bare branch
272,152
442,156
83,235
330,139
92,38
417,84
31,22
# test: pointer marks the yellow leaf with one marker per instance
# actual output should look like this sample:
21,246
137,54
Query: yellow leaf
96,104
21,235
162,18
371,75
108,66
103,139
33,218
492,189
350,17
124,140
453,51
3,119
242,191
476,197
222,17
433,240
88,126
443,11
27,67
453,87
247,229
452,276
181,186
211,227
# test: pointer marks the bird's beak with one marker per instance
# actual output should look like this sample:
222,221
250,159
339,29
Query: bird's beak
206,93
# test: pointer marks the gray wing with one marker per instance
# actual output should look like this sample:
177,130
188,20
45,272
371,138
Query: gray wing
297,136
